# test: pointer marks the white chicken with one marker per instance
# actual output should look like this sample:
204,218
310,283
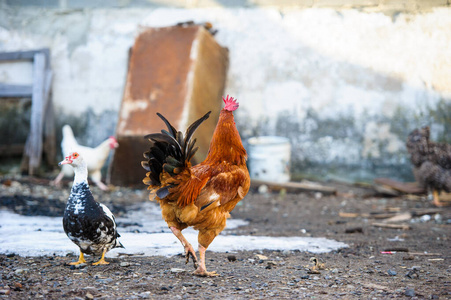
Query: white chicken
95,157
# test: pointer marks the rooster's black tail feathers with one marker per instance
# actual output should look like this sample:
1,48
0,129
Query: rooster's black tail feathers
170,150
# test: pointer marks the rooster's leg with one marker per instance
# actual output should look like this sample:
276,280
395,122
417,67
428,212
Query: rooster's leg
202,269
102,259
436,199
81,260
189,250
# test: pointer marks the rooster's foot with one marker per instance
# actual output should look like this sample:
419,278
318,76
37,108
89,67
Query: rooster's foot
204,273
190,252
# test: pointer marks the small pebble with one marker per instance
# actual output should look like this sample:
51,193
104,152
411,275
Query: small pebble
425,218
124,264
286,252
77,267
410,292
18,286
177,270
231,257
145,295
89,296
21,271
392,272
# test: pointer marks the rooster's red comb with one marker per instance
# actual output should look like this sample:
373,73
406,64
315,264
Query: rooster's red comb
230,103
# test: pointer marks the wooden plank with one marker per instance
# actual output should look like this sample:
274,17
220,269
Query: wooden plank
34,147
404,187
392,226
49,123
295,186
23,55
15,90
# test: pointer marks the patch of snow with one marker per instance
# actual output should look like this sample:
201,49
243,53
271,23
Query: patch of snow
37,236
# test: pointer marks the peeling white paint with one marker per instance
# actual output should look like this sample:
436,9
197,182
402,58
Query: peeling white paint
349,64
128,108
375,134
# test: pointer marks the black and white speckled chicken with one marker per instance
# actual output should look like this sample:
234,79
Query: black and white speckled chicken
431,162
87,223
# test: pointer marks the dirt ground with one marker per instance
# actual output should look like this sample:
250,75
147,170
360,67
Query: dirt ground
417,265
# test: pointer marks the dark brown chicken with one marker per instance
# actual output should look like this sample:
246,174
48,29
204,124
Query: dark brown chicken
431,162
201,196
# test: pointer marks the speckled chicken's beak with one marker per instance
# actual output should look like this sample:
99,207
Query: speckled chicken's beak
66,161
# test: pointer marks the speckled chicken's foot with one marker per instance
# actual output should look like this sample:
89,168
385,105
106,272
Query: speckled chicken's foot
436,198
81,260
202,269
189,250
102,260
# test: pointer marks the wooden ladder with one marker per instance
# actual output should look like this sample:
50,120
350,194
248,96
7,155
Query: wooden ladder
42,123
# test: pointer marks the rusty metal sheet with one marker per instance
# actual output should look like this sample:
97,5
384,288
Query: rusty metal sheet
177,71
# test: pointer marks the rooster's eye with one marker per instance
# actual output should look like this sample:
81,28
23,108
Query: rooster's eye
75,154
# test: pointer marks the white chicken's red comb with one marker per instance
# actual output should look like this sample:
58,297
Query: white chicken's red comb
230,103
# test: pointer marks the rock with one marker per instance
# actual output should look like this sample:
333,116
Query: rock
77,267
104,281
261,257
286,252
89,296
392,272
186,284
21,271
409,292
5,292
177,270
305,276
124,264
263,189
425,218
145,295
231,257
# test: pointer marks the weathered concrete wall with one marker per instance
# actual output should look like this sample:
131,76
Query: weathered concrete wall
345,85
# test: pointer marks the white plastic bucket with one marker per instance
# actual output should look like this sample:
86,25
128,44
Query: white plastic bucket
269,158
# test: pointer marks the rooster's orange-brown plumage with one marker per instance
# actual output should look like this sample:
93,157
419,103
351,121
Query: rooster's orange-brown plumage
201,196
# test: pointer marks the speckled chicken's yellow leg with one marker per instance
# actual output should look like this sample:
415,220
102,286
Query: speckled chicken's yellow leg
436,199
81,260
202,269
189,250
102,259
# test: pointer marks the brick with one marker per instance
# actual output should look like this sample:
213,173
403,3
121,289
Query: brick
179,72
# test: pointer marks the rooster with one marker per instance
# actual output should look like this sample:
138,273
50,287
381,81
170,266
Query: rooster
201,196
431,162
95,157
